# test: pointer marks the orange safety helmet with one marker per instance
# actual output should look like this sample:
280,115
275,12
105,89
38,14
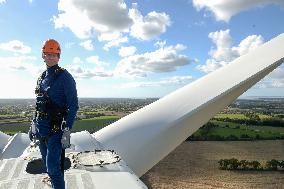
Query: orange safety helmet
51,46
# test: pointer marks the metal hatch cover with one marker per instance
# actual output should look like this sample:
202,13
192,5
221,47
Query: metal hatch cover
93,158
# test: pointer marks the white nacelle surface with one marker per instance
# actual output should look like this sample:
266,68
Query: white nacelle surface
97,168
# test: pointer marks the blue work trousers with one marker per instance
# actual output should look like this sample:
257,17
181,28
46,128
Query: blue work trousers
51,156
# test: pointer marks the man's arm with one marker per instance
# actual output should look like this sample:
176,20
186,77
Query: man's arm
70,92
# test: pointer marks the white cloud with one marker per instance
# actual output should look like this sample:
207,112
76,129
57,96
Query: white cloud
83,71
77,60
211,65
114,39
14,61
249,43
2,1
127,51
15,46
68,45
180,47
277,74
162,60
109,36
225,9
24,64
69,13
150,26
274,80
18,71
18,85
113,15
172,81
93,15
223,42
199,23
96,60
75,69
109,21
115,43
277,84
87,45
91,74
224,52
160,44
78,72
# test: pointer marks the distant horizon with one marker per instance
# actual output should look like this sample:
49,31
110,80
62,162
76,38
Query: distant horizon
241,97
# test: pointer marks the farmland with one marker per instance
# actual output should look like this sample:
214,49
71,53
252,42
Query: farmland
250,129
254,119
194,165
93,114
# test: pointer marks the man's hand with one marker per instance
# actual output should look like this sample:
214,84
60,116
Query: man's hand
32,131
31,134
65,140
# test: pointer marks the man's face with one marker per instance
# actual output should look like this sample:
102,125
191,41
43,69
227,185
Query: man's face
50,59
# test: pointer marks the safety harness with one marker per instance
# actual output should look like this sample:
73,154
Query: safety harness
45,108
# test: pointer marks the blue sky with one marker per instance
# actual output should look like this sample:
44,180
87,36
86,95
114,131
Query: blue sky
134,49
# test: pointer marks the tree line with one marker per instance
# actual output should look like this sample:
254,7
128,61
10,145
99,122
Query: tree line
235,164
255,120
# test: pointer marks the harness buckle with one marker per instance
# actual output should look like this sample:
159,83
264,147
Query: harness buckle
41,114
63,124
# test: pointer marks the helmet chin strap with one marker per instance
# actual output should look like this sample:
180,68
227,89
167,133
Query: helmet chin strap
47,66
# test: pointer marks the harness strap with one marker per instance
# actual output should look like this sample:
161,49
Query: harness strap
56,74
44,139
62,159
52,111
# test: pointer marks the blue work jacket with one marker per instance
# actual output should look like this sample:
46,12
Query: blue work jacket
62,93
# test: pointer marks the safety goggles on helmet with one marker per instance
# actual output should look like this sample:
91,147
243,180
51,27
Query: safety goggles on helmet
49,55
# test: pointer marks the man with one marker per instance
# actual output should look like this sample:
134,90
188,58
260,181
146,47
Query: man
56,107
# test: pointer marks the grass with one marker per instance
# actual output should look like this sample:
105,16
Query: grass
249,127
102,118
15,127
239,133
231,116
91,125
225,130
240,116
267,128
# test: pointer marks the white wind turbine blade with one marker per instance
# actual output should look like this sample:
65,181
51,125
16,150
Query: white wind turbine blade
146,136
3,140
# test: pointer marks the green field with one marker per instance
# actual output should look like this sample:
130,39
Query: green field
219,129
249,127
231,116
240,116
91,125
234,131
